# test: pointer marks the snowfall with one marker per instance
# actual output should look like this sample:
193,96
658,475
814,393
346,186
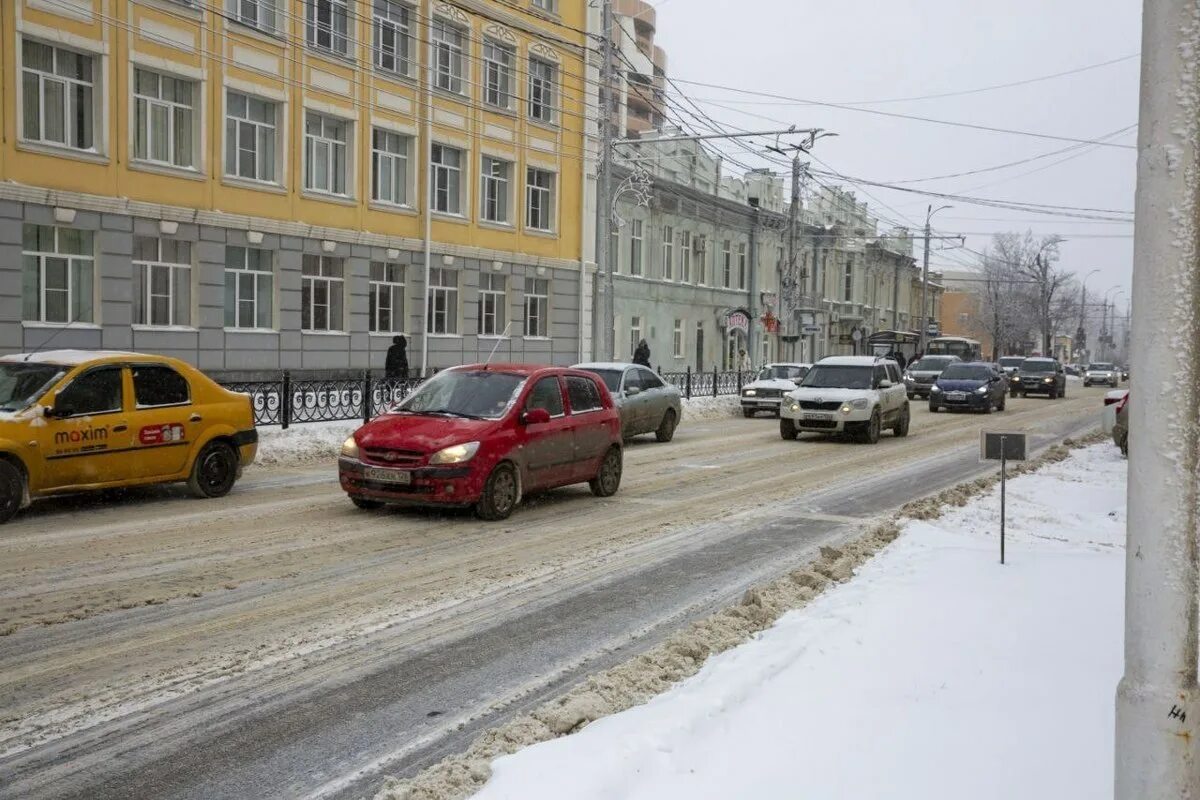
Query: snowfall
935,673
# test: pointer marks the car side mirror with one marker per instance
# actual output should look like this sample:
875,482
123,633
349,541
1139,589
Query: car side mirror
535,416
632,390
885,384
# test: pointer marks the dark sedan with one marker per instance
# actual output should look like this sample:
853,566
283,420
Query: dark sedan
976,386
1042,376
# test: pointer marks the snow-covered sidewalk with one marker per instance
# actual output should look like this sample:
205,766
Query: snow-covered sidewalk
935,673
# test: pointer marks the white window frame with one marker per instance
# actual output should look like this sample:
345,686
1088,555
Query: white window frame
73,262
389,282
263,281
492,304
743,265
543,90
448,48
700,243
393,163
391,19
635,333
443,302
636,247
848,281
444,178
537,308
144,106
326,36
727,264
495,190
678,337
685,256
257,128
668,253
539,199
179,273
499,72
69,104
331,273
328,180
262,15
549,6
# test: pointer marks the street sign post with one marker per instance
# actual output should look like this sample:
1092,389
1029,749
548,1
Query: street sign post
1002,447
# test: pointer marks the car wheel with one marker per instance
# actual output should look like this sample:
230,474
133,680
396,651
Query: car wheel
12,490
870,432
787,429
1086,385
501,493
1003,402
933,408
214,471
901,428
608,479
666,428
365,504
748,412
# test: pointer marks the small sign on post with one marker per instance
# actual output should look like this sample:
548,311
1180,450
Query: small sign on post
1002,447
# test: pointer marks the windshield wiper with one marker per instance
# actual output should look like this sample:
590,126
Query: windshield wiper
450,413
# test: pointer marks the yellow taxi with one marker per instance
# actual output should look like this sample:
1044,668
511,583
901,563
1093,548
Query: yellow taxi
73,420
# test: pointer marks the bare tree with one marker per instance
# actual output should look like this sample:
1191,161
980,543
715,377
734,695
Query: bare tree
1007,298
1049,281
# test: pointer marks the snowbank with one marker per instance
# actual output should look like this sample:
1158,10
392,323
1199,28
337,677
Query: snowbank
707,409
304,443
935,673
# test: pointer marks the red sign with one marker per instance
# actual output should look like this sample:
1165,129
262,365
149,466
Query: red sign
770,322
737,321
161,434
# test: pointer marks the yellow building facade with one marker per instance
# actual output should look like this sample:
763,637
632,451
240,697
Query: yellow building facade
253,185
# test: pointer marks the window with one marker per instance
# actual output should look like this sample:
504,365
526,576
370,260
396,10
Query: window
58,96
385,296
668,253
162,281
250,137
726,264
448,47
321,290
583,394
677,339
879,376
550,6
648,379
635,247
537,308
848,285
547,394
97,391
614,247
539,199
685,256
163,119
328,25
447,179
701,260
491,304
249,288
497,74
443,301
389,167
325,143
542,78
496,176
741,266
58,274
158,385
255,13
635,334
392,37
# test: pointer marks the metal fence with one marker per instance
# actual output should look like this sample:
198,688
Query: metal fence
287,402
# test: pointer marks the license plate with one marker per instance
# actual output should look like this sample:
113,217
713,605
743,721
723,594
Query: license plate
824,417
400,476
956,395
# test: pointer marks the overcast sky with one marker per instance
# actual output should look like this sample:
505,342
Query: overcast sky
851,52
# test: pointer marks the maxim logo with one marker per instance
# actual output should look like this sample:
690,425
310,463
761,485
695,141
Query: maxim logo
81,436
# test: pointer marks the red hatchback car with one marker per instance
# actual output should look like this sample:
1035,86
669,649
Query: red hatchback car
484,435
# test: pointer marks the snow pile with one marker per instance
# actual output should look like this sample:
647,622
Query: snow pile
304,443
706,409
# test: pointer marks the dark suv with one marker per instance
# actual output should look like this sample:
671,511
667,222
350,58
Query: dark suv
1042,376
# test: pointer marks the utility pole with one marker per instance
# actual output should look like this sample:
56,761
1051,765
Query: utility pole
793,279
1158,702
924,318
604,208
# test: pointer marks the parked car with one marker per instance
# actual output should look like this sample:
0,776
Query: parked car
647,403
1100,372
1125,372
1012,366
859,395
482,436
75,420
920,377
976,386
766,391
1040,375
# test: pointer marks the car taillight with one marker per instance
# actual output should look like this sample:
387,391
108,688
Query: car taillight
1122,403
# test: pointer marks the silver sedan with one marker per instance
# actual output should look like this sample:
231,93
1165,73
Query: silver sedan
646,402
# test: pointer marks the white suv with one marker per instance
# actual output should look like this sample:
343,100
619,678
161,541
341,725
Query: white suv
860,395
1102,373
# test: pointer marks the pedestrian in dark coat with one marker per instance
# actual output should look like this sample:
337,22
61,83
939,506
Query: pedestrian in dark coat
900,360
396,366
641,355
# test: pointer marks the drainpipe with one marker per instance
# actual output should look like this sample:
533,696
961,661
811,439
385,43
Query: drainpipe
427,169
750,304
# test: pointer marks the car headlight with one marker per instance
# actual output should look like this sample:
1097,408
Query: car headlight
935,389
750,392
350,448
795,407
457,454
1048,380
908,376
981,390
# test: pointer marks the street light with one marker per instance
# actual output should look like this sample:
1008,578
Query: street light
1083,312
925,278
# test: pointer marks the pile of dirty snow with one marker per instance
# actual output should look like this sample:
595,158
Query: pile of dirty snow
706,409
305,443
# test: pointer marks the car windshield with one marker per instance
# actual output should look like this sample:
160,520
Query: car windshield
1011,361
966,372
932,363
611,377
1101,367
21,383
781,371
475,394
1035,365
832,376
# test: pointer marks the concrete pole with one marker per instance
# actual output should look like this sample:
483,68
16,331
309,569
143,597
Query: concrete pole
751,305
604,210
1158,715
924,320
427,170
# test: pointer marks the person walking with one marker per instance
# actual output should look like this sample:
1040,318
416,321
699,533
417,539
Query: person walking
396,365
744,364
900,360
641,354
